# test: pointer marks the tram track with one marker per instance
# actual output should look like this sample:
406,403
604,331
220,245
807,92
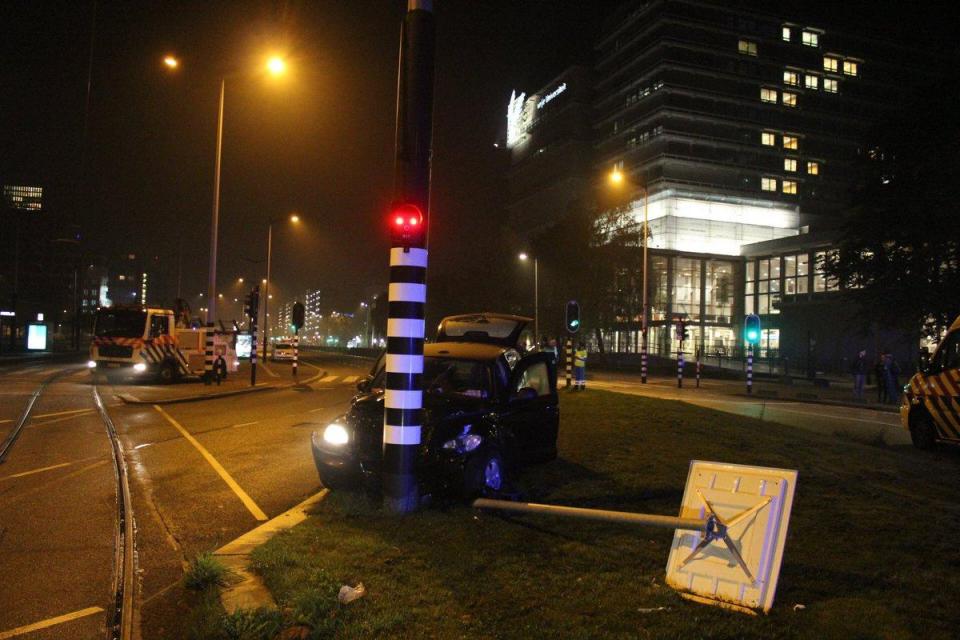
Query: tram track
122,615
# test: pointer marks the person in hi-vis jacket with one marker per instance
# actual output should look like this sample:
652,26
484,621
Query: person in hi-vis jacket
580,367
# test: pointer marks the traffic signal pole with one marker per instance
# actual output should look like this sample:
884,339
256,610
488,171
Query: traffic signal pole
407,293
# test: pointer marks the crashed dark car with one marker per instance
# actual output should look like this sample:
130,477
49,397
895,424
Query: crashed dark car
488,410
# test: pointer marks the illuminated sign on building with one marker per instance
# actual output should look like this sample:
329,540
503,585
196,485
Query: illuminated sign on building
550,96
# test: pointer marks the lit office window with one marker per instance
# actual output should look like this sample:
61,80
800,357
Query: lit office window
747,48
830,64
810,39
811,82
787,34
830,85
790,164
821,282
790,187
795,271
791,78
768,184
813,168
768,95
849,68
768,138
790,142
789,99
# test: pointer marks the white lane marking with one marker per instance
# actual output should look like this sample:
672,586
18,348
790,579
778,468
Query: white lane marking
268,370
237,489
146,444
40,470
63,413
329,378
349,379
2,421
50,622
244,424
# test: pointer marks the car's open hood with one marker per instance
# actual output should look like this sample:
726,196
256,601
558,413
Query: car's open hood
490,328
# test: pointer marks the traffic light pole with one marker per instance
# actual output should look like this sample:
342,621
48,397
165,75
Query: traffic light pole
750,368
403,395
253,350
296,349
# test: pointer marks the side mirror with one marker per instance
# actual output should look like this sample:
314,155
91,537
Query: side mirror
525,394
364,385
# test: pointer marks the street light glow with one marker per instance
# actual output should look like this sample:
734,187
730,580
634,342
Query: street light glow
240,280
616,176
523,255
276,65
171,62
294,218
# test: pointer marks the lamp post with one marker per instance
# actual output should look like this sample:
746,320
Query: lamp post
536,295
275,66
617,179
266,283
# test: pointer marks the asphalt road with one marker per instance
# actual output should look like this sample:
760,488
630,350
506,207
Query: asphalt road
201,474
862,424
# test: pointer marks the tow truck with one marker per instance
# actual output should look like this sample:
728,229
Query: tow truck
930,405
148,342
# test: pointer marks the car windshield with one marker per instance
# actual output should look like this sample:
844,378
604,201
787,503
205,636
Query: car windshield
120,323
457,377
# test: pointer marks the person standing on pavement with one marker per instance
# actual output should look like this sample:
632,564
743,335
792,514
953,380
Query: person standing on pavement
890,372
580,367
881,381
859,371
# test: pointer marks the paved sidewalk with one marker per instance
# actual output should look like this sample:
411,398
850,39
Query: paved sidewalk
799,391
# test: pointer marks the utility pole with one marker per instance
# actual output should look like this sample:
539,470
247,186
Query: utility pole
403,397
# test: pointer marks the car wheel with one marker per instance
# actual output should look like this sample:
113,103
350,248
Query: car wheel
166,374
486,474
922,432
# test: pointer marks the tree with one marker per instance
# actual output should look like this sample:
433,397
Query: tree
899,252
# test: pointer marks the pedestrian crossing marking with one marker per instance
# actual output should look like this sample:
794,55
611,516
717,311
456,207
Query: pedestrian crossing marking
351,378
329,378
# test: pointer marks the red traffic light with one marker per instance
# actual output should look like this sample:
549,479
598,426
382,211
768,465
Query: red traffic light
407,227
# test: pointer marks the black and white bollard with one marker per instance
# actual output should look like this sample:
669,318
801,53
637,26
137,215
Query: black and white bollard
403,398
569,347
750,369
208,354
643,359
296,351
253,350
680,368
698,369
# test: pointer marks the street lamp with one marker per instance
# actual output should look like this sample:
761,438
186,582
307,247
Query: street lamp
616,179
275,66
536,295
294,218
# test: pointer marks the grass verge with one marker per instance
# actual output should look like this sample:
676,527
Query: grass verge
869,553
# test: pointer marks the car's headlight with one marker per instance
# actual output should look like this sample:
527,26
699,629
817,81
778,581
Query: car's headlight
463,444
91,364
336,434
140,367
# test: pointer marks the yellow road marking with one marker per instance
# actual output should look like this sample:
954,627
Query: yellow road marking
351,378
40,470
244,498
50,622
268,369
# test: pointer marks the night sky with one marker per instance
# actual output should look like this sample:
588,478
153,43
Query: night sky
319,141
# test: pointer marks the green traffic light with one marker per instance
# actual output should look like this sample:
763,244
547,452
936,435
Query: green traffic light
574,323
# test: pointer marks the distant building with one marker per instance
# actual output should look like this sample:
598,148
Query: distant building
23,197
739,131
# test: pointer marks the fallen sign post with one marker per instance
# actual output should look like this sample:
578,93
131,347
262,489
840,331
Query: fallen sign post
729,537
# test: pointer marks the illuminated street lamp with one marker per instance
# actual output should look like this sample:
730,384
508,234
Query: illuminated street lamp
267,296
616,179
536,294
275,66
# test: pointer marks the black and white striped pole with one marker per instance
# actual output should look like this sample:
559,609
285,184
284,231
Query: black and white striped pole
253,310
297,319
296,350
751,335
407,293
569,360
208,354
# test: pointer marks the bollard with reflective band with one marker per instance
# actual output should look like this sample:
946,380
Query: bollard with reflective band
750,369
680,368
296,351
569,361
208,354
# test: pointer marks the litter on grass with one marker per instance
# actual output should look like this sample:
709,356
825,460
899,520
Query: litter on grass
348,594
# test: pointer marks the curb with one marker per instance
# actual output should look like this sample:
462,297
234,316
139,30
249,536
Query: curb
130,399
249,592
759,395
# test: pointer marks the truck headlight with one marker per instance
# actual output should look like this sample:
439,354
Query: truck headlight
336,434
140,367
463,444
91,364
